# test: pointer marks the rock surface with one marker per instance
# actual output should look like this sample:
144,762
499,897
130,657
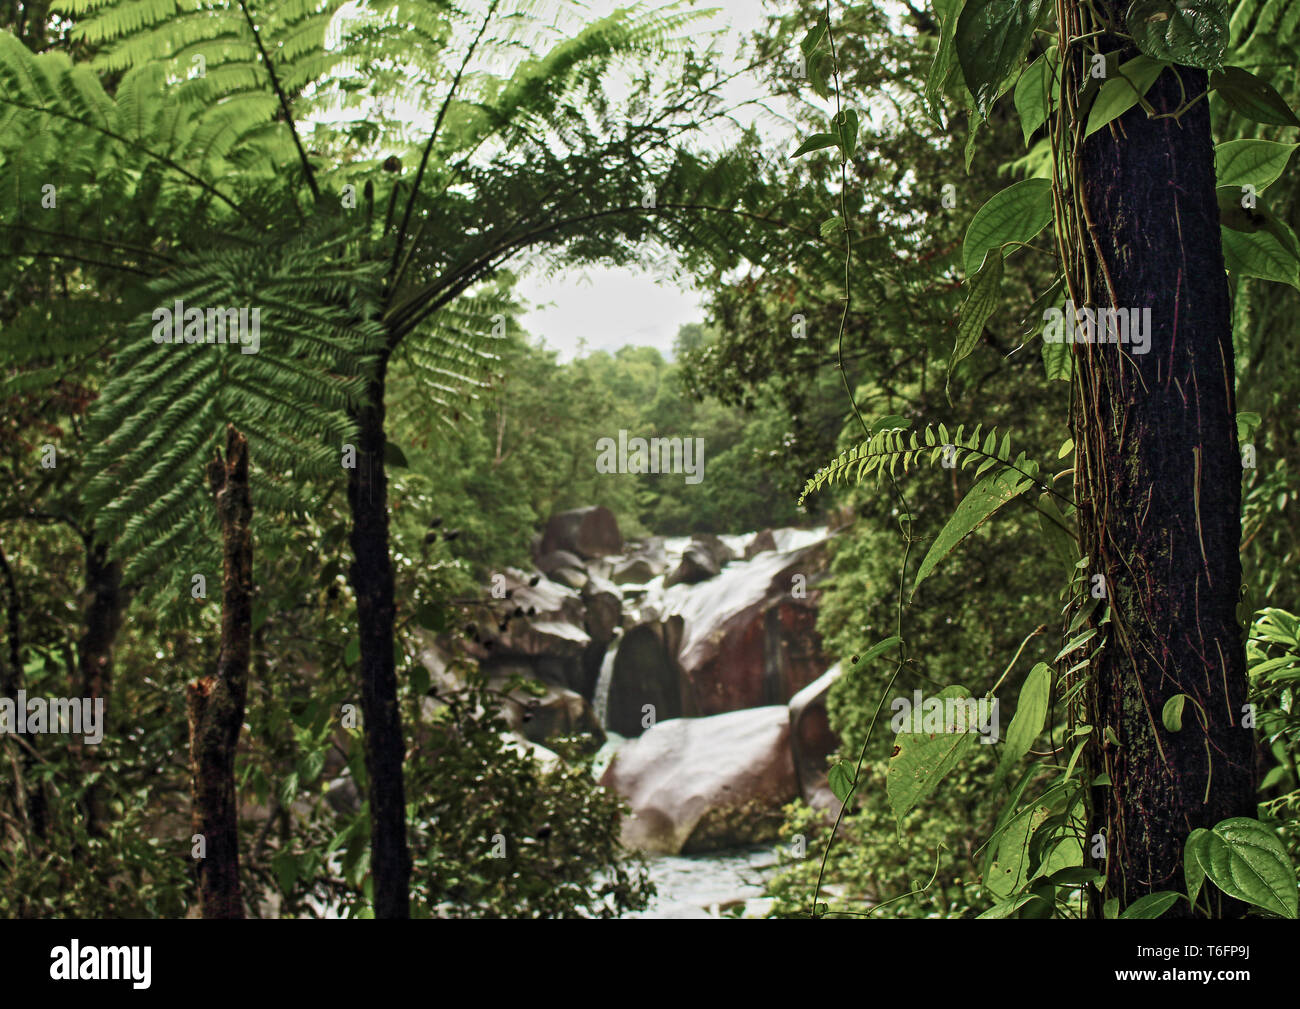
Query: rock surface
587,532
700,784
811,738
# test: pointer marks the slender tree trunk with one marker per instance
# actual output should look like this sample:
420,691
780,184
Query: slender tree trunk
29,793
216,703
103,615
1158,479
372,582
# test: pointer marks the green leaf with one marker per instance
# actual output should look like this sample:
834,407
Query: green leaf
285,866
1259,254
831,227
1122,91
419,680
1053,525
1016,214
1153,905
431,617
393,456
942,68
922,759
840,779
1006,908
818,66
985,289
1245,859
1252,97
1172,713
878,649
1032,91
1192,856
1027,722
1111,908
892,422
992,36
845,125
815,143
985,498
1191,32
352,653
1256,163
816,35
1247,422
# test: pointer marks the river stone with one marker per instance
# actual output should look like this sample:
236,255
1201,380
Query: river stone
557,559
636,570
587,532
811,739
604,607
573,578
704,784
761,542
697,564
646,672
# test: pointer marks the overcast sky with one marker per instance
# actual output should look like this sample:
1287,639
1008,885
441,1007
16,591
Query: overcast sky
611,308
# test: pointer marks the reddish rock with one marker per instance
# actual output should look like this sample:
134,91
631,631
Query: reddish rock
751,634
811,739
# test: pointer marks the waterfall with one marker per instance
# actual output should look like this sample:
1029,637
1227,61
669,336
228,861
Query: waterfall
600,699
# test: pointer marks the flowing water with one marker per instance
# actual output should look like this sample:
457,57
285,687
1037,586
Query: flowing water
706,886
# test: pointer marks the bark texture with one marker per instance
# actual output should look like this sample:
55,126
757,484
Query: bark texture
372,582
216,703
1158,480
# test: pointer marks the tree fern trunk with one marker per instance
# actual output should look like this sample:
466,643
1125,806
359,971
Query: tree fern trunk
1158,479
216,703
372,582
103,615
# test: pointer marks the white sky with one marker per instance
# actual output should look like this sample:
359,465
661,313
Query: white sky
611,308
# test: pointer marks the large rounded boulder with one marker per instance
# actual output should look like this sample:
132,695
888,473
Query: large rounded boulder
587,532
703,784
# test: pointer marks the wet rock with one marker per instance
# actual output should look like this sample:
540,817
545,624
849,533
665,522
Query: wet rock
637,570
811,739
587,532
646,672
573,578
761,542
751,633
604,604
702,560
557,559
702,784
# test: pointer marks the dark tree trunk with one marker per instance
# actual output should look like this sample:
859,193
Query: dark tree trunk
1158,479
29,793
372,582
103,615
216,703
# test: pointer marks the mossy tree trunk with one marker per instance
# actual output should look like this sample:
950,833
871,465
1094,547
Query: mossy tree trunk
1158,479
